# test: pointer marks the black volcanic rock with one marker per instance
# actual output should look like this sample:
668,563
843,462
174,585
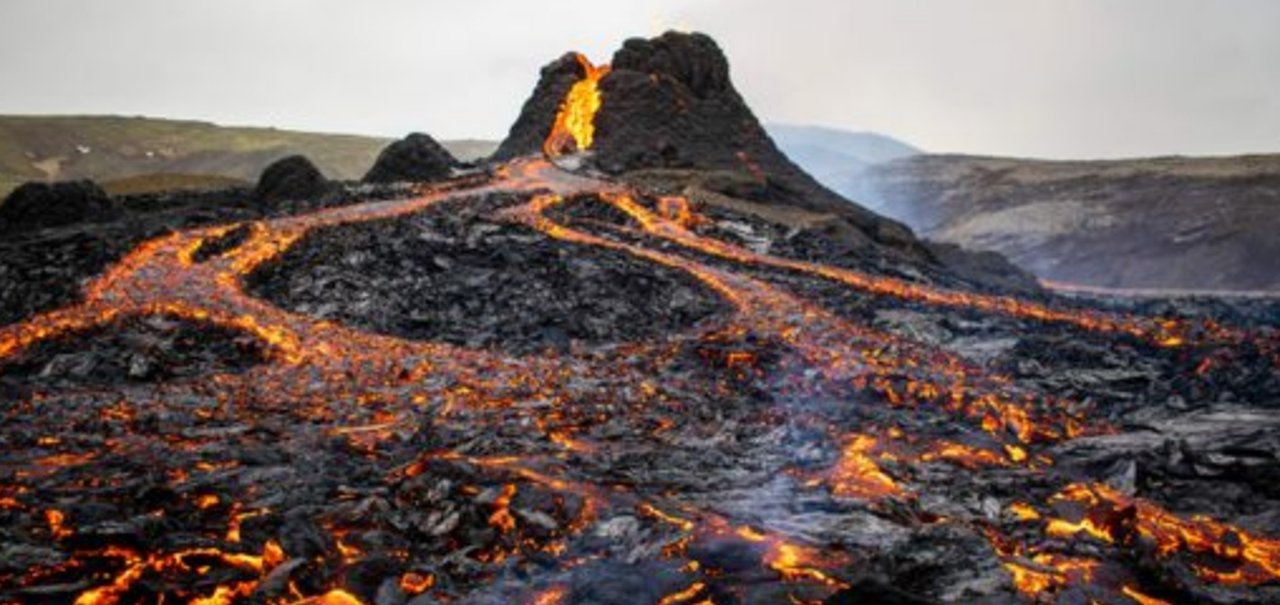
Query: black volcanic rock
448,275
39,205
668,102
134,350
694,60
291,178
417,157
871,592
539,112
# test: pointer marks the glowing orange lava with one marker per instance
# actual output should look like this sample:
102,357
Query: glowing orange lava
857,474
574,128
1238,556
364,388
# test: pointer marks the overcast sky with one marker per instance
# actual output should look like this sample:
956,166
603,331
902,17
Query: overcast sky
1050,78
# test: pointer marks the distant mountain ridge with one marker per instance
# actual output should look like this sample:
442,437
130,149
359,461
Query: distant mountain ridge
111,148
1156,223
1160,224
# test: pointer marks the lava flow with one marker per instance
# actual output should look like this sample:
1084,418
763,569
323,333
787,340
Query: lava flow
780,446
574,127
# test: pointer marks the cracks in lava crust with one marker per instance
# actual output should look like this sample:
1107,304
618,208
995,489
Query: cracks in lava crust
774,451
453,275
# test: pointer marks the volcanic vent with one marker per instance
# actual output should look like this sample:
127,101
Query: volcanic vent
764,398
666,102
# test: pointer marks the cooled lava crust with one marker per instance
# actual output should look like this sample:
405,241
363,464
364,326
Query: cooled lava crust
131,352
453,274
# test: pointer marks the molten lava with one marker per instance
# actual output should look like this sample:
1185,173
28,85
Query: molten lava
572,411
574,128
857,475
1226,554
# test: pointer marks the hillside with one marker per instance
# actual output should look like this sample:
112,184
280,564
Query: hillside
109,148
837,158
1165,223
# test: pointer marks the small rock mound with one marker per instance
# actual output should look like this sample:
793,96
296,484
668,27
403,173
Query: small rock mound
133,350
417,157
451,275
290,178
40,205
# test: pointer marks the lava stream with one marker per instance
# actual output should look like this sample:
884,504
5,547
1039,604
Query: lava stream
318,369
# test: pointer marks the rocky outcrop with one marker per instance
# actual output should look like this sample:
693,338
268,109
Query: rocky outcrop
40,205
291,178
668,102
417,157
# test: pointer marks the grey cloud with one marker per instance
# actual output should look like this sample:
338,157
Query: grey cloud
1056,78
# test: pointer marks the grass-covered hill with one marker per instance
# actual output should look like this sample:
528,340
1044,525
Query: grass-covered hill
135,154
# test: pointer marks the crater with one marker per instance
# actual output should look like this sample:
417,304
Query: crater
454,274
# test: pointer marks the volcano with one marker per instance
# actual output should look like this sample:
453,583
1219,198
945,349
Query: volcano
637,357
666,103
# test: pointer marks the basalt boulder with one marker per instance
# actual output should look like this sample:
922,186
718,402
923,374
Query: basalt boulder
417,157
290,178
41,205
